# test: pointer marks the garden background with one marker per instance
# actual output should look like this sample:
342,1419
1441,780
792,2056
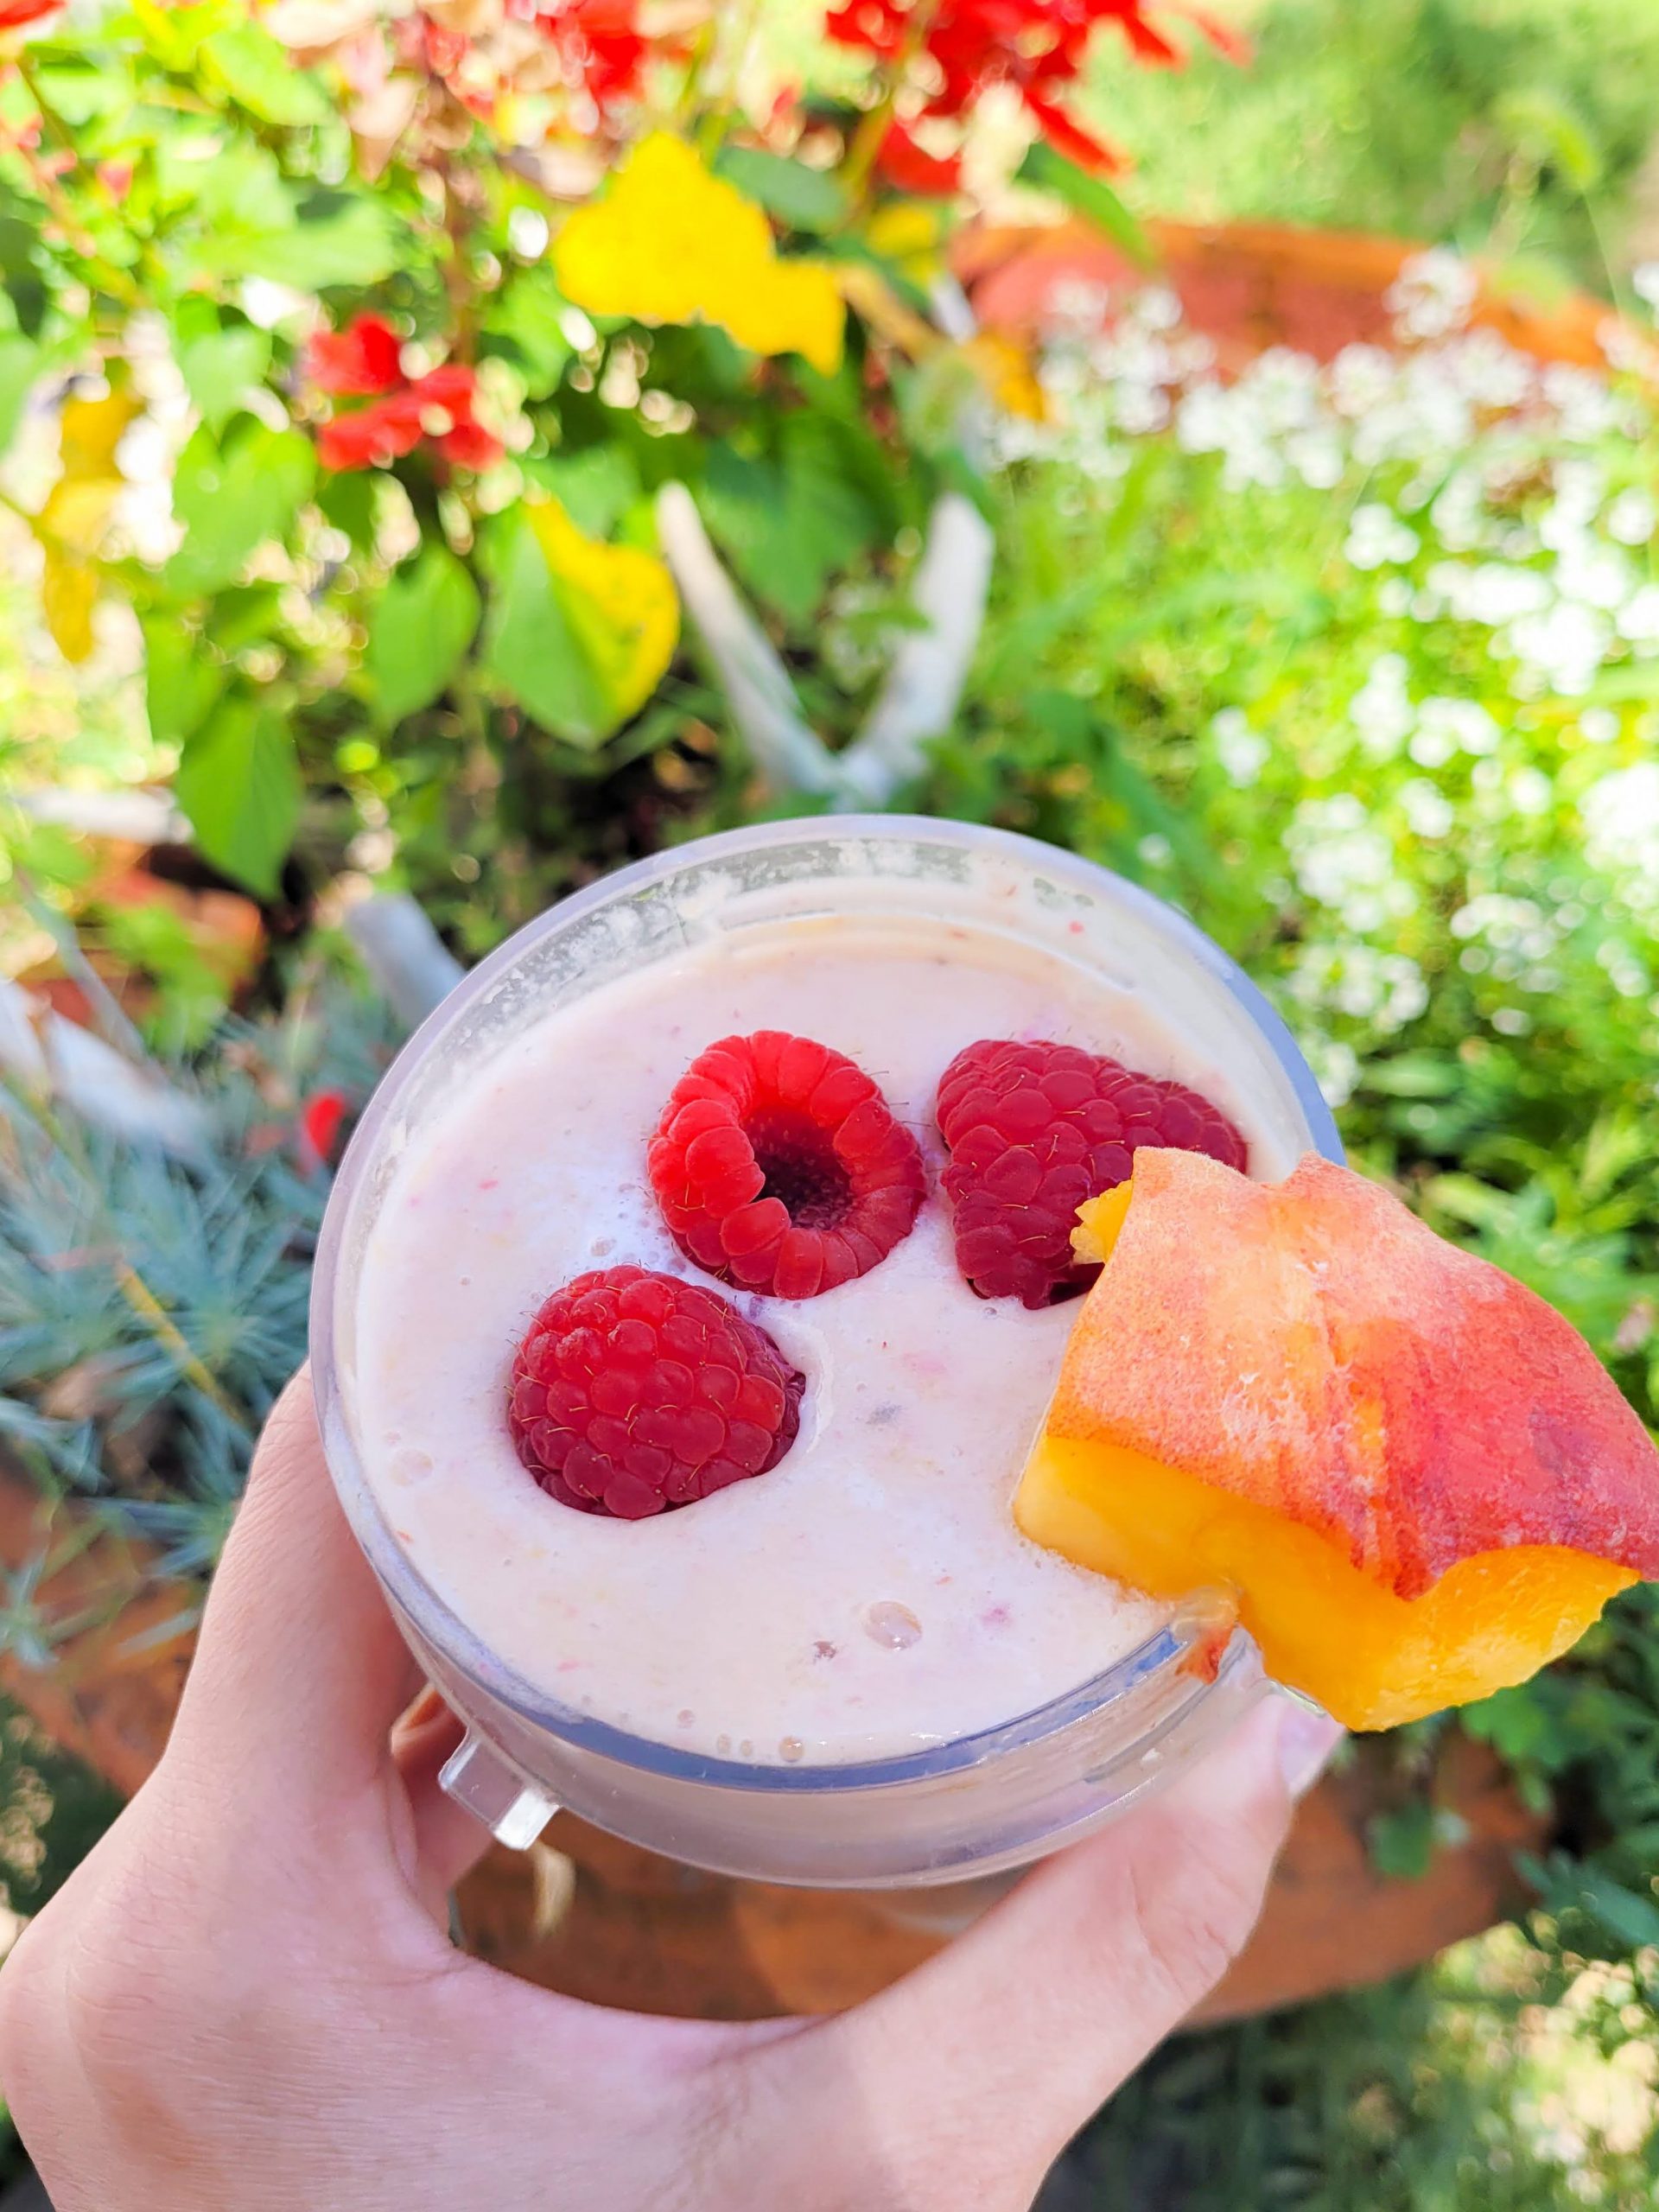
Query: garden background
446,452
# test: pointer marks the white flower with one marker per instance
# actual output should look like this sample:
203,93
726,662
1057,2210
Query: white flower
1530,791
1361,378
1586,406
1446,726
1140,408
1489,370
1316,457
1076,304
1638,618
1384,989
1394,595
1621,822
1595,574
1632,516
1598,725
1563,646
1378,538
1432,295
1336,1068
1157,308
1241,750
1491,593
1381,709
1644,283
1342,861
1507,923
1427,810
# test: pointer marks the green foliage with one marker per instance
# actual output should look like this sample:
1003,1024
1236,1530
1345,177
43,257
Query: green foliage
231,495
238,782
1500,117
1495,2083
151,1310
419,630
338,623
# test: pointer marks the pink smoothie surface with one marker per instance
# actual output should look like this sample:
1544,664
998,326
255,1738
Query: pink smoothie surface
869,1596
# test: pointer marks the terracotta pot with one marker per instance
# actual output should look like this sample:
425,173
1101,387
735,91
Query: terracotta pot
602,1919
1251,285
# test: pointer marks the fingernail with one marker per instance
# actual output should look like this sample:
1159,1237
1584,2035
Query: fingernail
1307,1739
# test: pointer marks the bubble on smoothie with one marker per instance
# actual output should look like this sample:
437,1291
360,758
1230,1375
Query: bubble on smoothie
792,1749
894,1626
686,1719
410,1466
722,1743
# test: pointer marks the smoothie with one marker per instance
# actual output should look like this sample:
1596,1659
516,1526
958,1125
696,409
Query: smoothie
870,1594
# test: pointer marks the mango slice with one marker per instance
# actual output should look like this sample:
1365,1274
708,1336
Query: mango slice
1416,1479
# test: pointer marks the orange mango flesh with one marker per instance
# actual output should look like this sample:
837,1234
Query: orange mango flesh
1372,1658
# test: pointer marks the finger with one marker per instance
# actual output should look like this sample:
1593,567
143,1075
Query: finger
448,1841
300,1670
1011,2038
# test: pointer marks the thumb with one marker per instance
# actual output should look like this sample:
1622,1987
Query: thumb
985,2062
300,1670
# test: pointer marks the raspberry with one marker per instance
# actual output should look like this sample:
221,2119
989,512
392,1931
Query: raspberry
633,1394
1032,1130
778,1165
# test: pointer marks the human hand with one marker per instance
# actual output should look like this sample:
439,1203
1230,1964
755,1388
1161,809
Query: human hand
245,1996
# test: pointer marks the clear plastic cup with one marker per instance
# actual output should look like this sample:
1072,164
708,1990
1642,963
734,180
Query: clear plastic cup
983,1803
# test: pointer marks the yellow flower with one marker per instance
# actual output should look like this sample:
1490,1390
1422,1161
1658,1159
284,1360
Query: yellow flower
910,236
1004,368
72,523
669,243
619,601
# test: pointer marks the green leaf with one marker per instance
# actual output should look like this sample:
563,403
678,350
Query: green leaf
19,360
333,240
789,523
419,629
580,632
220,366
238,782
1542,126
595,486
261,75
180,682
1624,1913
1095,201
801,198
234,499
523,325
1402,1844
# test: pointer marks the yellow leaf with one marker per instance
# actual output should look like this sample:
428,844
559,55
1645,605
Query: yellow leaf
68,595
76,513
619,600
669,243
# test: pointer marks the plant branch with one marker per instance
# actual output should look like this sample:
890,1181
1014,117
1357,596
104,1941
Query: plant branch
788,753
411,967
924,685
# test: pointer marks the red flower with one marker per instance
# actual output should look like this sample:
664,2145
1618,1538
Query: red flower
373,435
1038,46
438,406
601,46
362,358
320,1121
13,14
909,168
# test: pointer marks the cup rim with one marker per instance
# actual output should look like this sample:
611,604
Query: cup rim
1193,1624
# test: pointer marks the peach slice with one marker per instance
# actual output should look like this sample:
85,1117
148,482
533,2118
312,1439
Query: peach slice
1418,1480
